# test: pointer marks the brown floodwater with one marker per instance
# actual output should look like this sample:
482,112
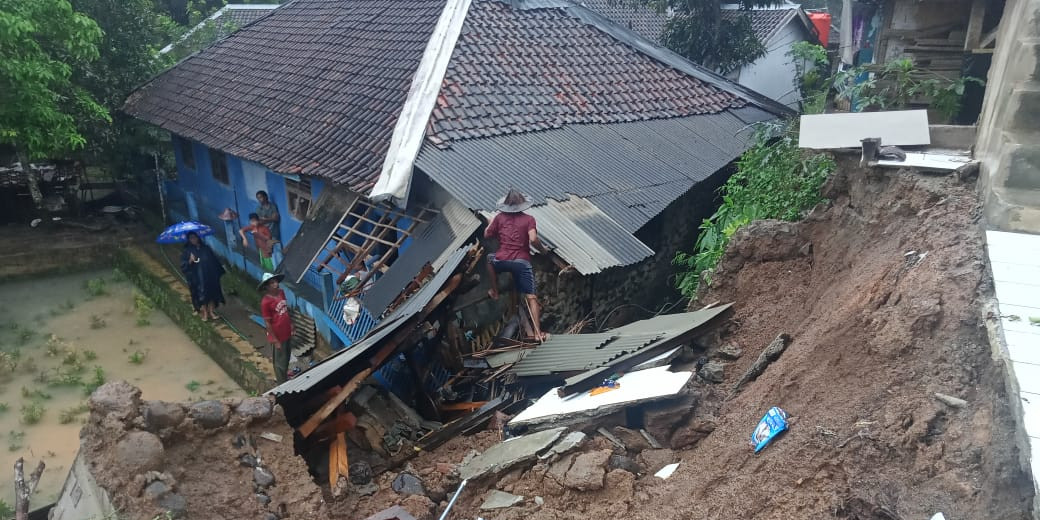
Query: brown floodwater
60,335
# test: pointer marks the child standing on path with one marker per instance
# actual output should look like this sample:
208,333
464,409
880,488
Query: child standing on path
275,311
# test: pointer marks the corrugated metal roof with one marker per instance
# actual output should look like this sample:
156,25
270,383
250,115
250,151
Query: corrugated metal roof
624,160
391,323
586,237
581,352
434,242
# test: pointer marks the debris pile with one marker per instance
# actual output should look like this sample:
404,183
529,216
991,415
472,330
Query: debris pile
231,458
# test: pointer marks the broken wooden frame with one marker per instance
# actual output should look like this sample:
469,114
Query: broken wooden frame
374,225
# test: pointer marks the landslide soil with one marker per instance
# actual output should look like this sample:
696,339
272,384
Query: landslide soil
877,331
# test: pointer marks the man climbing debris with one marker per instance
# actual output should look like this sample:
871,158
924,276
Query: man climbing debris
516,232
275,311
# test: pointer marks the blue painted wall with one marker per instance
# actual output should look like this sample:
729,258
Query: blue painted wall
197,195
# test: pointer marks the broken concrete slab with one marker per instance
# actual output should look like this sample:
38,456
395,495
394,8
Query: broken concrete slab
507,454
569,442
894,127
500,499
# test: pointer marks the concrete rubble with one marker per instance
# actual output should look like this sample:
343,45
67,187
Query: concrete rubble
508,454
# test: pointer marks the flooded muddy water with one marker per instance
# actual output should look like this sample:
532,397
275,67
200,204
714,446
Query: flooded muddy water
62,336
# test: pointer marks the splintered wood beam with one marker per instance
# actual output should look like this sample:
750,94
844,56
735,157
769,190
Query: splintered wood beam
341,458
333,463
312,423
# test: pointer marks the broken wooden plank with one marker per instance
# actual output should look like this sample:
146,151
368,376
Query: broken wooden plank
343,462
311,424
333,463
463,424
466,406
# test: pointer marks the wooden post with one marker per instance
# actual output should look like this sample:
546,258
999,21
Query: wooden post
308,427
23,490
974,32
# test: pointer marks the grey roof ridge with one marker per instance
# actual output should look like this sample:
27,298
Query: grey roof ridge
661,54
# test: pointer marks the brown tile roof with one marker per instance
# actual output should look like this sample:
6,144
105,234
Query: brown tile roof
519,70
765,22
647,22
314,88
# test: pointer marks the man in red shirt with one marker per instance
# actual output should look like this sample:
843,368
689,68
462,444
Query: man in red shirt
516,232
275,311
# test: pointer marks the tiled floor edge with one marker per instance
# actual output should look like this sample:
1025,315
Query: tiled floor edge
999,351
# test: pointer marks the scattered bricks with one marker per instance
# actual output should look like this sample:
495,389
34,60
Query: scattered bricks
588,471
160,415
140,452
118,397
255,408
209,414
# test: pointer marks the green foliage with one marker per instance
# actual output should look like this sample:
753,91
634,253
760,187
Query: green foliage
143,307
94,382
193,386
696,30
89,355
6,511
137,357
812,78
774,180
96,287
896,84
71,415
32,413
41,43
35,394
4,407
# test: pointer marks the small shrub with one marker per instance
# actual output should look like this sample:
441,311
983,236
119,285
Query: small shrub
137,357
71,415
193,386
6,511
96,381
143,307
89,355
70,357
118,275
9,361
55,346
35,394
97,322
32,413
96,287
4,407
15,440
67,378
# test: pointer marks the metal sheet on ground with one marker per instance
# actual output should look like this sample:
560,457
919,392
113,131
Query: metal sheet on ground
897,128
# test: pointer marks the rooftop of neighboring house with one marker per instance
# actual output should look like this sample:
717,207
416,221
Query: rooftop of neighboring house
767,21
228,19
644,21
530,86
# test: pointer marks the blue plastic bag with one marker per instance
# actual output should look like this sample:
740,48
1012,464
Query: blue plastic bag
773,423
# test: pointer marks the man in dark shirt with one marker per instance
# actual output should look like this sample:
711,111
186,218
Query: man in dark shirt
516,232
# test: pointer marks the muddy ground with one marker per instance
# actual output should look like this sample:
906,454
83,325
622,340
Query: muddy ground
880,291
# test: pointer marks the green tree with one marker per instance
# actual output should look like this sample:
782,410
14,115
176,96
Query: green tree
697,31
41,43
134,30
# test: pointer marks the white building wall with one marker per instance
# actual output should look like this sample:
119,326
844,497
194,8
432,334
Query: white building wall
773,74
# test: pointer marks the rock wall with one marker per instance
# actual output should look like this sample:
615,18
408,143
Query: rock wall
614,296
230,459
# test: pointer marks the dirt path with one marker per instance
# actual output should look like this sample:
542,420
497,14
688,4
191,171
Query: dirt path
877,330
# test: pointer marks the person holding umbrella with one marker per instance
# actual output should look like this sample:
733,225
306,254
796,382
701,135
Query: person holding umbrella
275,311
202,270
